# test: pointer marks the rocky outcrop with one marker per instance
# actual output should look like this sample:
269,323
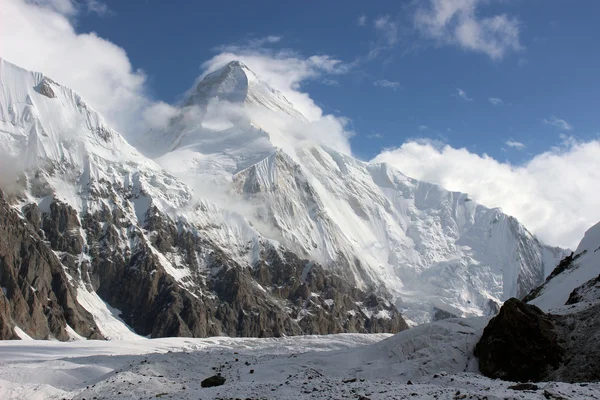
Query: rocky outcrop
45,88
519,344
36,293
524,344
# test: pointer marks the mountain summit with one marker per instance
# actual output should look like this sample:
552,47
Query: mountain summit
236,83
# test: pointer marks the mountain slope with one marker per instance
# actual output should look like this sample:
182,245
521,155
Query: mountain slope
141,248
432,249
575,278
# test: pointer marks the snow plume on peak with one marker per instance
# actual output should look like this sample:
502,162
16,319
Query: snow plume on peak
233,95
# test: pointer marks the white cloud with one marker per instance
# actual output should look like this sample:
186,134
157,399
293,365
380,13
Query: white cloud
515,144
40,36
496,101
458,22
463,95
375,136
362,20
384,83
555,194
558,123
388,28
423,128
329,82
97,7
271,39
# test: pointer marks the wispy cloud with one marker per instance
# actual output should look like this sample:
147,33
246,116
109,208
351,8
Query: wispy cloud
515,144
558,123
496,101
388,28
459,23
375,136
463,95
387,84
259,42
329,82
362,20
97,7
423,127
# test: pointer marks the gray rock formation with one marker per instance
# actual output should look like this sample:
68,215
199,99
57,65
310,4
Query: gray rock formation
36,294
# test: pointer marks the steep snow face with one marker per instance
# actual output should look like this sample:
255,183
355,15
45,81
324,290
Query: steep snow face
583,266
429,247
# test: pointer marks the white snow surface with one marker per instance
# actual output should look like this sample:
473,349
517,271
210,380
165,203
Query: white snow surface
555,293
436,358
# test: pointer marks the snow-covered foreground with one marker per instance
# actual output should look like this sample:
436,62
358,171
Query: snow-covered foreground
436,358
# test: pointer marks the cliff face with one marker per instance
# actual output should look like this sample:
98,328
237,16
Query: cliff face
36,293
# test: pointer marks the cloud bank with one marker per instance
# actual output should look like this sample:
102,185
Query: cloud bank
555,194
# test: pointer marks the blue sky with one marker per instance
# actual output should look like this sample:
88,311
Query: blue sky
554,74
495,98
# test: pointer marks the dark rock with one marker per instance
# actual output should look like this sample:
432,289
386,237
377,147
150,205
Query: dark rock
45,88
215,380
519,344
442,314
37,296
524,386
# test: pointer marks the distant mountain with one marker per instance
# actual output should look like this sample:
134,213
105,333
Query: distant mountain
99,241
430,248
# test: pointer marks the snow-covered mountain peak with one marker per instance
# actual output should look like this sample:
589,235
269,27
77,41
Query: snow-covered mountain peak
238,84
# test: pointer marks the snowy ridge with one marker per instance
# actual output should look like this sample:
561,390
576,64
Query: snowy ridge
368,222
585,266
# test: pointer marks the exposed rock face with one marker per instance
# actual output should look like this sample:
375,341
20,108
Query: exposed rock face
280,295
277,296
36,294
46,89
523,343
519,344
580,333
